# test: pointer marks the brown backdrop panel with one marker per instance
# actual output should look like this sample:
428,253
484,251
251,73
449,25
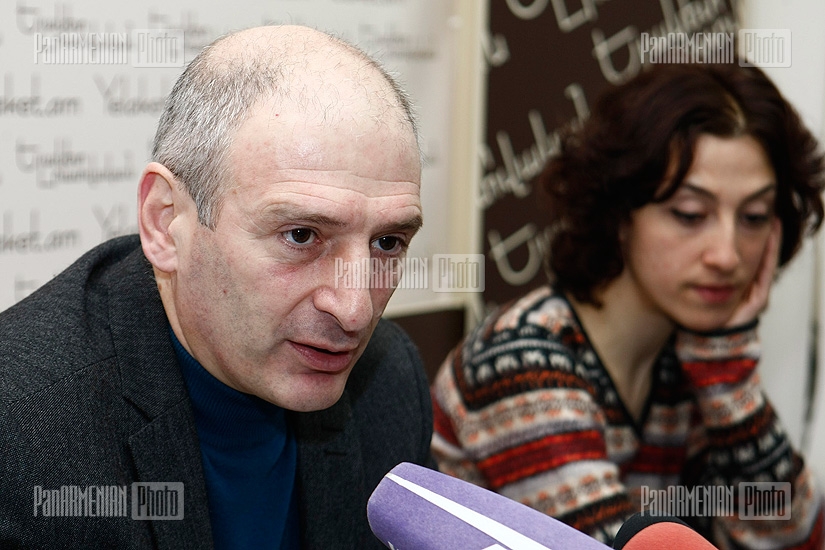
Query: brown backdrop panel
435,334
547,61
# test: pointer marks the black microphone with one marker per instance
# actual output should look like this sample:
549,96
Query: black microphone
417,508
648,532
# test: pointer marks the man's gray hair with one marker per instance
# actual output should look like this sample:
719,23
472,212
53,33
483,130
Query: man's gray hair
211,100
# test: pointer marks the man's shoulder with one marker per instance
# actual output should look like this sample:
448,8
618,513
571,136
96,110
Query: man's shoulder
63,326
77,279
389,338
391,358
389,379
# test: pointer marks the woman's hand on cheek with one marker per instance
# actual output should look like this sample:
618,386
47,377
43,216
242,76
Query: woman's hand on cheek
755,299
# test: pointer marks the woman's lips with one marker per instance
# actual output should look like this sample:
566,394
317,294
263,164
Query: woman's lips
715,294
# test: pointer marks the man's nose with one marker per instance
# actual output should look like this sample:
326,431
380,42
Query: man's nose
346,292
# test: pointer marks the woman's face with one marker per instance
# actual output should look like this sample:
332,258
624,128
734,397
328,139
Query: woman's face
693,256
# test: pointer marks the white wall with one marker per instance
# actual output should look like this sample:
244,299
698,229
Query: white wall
785,328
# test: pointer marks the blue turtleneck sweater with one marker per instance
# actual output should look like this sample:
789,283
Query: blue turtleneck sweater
249,461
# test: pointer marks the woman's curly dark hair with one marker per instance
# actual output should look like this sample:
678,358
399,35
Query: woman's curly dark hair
618,160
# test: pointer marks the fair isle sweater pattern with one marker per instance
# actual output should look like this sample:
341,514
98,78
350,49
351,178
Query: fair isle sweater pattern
525,408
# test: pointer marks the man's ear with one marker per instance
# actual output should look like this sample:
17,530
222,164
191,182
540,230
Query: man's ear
156,210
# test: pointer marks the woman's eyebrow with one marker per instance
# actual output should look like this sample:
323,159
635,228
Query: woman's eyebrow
764,191
705,193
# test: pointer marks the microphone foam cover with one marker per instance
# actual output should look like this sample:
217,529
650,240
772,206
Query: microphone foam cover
645,531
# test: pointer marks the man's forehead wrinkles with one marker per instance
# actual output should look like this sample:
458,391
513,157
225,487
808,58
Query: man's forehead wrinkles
335,178
301,195
391,208
298,202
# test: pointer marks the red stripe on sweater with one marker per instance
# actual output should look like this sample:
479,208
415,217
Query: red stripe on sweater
660,460
707,373
442,425
542,455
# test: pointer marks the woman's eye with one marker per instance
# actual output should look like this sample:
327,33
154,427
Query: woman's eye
688,217
301,235
756,220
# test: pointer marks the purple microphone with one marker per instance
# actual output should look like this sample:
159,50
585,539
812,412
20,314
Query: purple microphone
415,507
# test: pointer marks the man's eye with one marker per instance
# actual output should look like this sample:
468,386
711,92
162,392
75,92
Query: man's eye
301,235
388,243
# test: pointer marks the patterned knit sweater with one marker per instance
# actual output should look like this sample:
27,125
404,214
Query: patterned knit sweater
524,407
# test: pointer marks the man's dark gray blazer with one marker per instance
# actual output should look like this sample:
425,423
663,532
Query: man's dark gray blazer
91,394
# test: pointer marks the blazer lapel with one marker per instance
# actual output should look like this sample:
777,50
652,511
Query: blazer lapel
162,454
166,448
330,477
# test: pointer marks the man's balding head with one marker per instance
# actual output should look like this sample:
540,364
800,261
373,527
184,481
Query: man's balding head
320,75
